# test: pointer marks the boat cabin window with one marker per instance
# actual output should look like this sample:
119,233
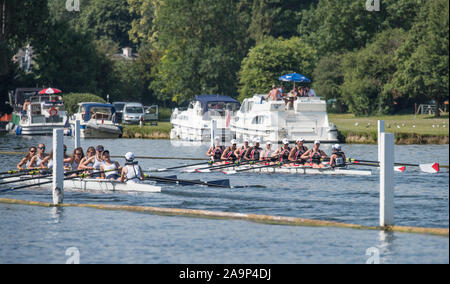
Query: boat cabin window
101,113
219,108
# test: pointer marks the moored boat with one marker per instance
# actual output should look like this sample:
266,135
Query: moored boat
97,120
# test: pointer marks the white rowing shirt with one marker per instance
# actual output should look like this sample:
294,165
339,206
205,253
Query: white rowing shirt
109,169
133,173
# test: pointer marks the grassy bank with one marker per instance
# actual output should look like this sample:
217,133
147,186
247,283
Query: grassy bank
408,129
162,131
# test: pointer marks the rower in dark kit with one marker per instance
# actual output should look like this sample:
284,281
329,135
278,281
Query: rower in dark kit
315,156
296,153
337,159
242,151
229,154
282,154
254,153
216,151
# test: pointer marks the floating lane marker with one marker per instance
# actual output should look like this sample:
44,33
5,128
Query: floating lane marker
263,219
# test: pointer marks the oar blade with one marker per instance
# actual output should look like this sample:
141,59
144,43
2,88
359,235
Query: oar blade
222,182
232,172
401,169
430,168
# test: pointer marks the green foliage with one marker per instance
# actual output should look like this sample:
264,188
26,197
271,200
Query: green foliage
72,100
269,60
423,62
368,70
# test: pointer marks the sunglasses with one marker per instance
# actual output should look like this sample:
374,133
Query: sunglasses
34,151
77,154
41,148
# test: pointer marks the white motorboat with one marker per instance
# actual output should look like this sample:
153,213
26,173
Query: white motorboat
41,115
97,120
194,124
274,120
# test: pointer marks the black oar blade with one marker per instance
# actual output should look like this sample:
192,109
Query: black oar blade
222,182
166,180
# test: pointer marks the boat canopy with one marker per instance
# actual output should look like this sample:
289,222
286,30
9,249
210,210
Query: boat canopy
90,106
208,100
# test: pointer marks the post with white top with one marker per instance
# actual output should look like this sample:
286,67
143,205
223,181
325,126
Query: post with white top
213,131
381,129
77,133
58,166
387,180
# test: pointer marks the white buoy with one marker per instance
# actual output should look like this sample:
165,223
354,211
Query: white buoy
387,180
58,166
380,130
77,134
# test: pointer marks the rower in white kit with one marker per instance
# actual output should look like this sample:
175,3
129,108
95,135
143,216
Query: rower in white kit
131,172
109,169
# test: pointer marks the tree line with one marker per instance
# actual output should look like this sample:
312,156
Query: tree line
368,62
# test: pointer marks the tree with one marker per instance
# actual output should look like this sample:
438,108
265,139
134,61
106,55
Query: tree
423,63
368,72
200,47
272,58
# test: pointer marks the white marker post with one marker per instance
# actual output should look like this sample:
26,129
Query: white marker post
58,166
387,180
381,129
213,131
77,134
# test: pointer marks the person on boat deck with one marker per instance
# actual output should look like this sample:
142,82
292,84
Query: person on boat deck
282,154
110,169
241,151
229,154
215,152
27,159
274,94
315,155
76,159
87,162
96,161
254,153
266,154
296,153
337,159
131,172
36,161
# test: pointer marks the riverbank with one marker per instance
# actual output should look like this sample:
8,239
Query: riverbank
408,129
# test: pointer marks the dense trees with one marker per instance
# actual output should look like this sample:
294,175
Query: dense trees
368,62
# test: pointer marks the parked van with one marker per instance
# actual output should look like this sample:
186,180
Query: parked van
132,113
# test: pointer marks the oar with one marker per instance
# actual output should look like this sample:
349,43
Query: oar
251,168
396,168
221,184
427,168
177,167
219,167
27,173
165,158
10,172
48,174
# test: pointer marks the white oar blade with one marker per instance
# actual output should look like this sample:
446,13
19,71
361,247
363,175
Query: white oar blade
401,169
229,172
429,168
203,171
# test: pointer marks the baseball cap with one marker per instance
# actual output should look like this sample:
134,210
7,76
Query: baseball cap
300,140
246,139
234,141
256,140
100,148
268,143
317,142
337,146
129,156
285,141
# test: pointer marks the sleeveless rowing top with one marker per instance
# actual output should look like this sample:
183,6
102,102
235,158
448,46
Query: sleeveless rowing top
109,169
299,154
38,161
133,173
316,157
255,154
284,156
75,165
97,163
230,154
50,164
339,161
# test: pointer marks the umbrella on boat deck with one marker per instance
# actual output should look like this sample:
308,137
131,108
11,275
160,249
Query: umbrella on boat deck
50,91
294,77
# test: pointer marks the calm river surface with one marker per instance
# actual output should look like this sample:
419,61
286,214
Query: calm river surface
42,235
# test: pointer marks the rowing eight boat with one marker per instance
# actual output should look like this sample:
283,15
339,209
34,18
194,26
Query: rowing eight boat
91,185
288,170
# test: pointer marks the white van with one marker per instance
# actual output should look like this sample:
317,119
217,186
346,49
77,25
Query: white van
132,113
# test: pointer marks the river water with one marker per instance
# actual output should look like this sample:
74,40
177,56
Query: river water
35,235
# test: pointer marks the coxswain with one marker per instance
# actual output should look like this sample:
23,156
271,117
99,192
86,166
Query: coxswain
37,160
282,154
109,169
229,154
266,154
215,152
242,151
254,153
296,153
131,172
315,155
25,162
337,159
